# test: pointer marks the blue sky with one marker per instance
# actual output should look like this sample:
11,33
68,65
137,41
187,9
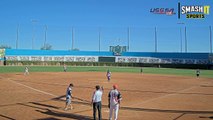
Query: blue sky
112,16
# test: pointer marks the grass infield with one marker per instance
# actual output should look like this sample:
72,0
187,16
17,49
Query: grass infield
149,70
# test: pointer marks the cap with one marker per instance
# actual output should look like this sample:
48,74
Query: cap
115,86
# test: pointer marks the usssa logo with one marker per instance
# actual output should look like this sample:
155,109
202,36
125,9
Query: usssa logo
166,11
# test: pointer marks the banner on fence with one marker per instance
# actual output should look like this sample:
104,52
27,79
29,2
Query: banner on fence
54,58
152,60
118,59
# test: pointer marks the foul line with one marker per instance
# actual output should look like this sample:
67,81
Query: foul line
32,88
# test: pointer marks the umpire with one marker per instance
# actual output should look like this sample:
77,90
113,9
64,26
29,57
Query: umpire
96,101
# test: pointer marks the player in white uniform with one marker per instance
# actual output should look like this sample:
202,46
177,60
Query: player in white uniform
65,68
108,75
114,102
26,71
69,97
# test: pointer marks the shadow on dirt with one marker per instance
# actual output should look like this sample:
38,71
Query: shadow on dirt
211,117
3,116
65,115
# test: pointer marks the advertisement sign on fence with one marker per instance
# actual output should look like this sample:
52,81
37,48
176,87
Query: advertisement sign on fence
54,58
153,60
118,59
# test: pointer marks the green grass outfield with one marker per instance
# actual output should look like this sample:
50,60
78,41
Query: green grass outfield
165,71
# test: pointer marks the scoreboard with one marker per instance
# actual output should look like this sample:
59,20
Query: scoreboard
117,50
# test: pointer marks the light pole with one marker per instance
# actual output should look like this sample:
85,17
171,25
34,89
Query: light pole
72,38
99,39
181,47
45,37
185,41
33,36
156,46
17,35
181,40
128,37
210,33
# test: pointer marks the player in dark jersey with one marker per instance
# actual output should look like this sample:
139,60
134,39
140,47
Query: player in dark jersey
197,73
69,97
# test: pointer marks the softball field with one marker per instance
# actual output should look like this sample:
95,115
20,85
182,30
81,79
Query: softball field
41,96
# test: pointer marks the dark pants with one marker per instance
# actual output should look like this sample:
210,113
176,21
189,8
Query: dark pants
108,77
198,75
97,105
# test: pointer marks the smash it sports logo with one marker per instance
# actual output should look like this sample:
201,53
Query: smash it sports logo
194,11
166,11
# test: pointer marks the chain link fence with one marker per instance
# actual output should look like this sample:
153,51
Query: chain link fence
137,39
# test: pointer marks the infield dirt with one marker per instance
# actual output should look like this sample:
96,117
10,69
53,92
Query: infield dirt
41,96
